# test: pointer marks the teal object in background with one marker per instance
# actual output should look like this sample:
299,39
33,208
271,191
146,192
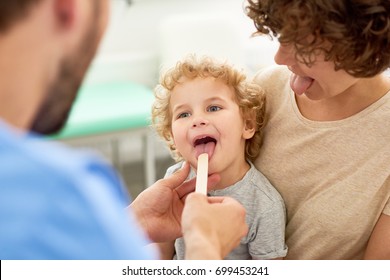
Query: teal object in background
108,112
110,107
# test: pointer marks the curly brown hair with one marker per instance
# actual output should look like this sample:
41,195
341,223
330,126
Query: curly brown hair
11,11
354,34
249,97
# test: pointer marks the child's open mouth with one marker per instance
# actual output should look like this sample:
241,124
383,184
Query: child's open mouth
204,145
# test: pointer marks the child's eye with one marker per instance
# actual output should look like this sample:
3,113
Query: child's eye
183,115
214,108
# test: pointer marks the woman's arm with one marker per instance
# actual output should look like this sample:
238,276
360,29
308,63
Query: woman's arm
378,247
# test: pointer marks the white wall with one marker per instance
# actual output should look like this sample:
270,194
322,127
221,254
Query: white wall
132,46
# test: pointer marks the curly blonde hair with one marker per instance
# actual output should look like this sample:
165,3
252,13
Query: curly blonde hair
354,34
248,95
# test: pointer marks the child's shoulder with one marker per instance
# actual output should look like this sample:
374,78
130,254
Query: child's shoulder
172,169
260,183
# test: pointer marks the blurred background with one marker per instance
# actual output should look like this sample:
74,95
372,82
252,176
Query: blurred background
143,38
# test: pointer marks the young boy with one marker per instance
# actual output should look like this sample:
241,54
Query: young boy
203,106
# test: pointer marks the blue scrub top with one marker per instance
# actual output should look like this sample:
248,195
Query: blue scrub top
58,203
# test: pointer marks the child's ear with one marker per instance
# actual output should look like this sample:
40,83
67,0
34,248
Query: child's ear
249,128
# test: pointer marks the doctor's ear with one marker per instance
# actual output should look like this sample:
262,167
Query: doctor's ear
65,12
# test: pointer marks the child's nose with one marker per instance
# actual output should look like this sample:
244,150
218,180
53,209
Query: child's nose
199,122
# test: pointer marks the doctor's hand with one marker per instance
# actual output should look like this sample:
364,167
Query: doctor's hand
159,208
212,226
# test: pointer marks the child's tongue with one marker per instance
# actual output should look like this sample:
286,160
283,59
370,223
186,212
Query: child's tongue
205,148
300,84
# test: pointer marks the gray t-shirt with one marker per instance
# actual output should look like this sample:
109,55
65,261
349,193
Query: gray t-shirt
265,216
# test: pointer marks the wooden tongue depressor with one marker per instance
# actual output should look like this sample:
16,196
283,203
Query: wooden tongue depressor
202,174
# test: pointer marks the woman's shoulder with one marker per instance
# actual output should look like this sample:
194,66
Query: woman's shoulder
275,82
273,74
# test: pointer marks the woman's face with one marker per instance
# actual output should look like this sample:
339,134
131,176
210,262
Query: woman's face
317,82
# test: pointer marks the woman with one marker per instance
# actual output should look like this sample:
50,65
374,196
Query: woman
327,142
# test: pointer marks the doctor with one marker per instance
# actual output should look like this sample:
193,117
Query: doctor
58,203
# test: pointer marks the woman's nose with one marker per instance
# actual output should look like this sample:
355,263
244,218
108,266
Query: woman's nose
285,55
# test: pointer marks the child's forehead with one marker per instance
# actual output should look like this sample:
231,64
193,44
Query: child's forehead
207,84
200,77
203,80
201,89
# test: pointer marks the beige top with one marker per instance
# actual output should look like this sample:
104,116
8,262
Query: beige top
334,176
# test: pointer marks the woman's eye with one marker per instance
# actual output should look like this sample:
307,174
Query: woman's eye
214,108
183,115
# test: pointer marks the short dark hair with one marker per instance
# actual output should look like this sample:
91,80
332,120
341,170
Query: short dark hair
13,10
355,34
